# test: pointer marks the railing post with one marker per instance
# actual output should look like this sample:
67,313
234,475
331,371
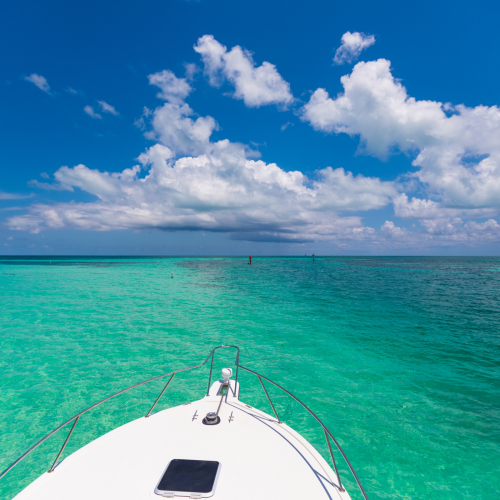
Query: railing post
341,488
210,377
353,472
236,382
63,446
269,399
42,440
161,394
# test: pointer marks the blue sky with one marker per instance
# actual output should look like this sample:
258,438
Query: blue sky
118,137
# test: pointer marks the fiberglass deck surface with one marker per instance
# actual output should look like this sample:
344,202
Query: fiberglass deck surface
260,459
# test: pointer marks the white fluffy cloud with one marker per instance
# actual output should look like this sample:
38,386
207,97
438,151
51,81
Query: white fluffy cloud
107,108
352,46
186,181
173,89
174,124
457,148
39,81
444,231
256,86
418,208
220,190
91,112
219,186
392,231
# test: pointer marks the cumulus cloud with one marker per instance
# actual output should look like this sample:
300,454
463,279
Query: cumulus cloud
175,123
186,181
255,85
107,108
173,89
419,208
441,232
445,232
390,230
457,148
352,46
91,112
39,81
454,230
220,190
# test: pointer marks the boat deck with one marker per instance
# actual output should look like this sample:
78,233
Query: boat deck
259,458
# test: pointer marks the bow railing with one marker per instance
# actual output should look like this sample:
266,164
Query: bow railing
75,418
328,434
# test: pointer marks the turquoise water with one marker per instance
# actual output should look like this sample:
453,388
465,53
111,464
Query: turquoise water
400,357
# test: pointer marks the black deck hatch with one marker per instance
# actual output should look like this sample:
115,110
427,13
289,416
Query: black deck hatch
190,476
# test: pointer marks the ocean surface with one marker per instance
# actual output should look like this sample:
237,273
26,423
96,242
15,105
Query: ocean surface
400,356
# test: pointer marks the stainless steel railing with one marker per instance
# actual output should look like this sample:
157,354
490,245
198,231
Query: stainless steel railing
325,429
76,417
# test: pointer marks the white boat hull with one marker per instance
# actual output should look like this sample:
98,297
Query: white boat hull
259,458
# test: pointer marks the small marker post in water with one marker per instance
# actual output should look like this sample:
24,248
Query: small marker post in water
250,260
172,275
313,257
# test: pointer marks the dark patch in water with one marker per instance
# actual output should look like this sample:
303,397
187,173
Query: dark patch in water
207,285
69,264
